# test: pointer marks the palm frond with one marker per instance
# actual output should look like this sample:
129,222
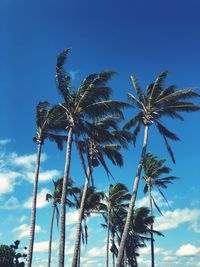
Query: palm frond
177,96
154,202
132,122
58,139
62,77
156,87
165,132
136,132
169,149
137,87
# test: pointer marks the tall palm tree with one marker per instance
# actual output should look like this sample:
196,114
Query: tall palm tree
90,101
138,233
114,202
56,198
92,205
155,103
153,169
46,121
97,147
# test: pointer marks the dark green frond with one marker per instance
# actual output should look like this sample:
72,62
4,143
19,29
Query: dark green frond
169,149
63,78
156,87
137,88
103,108
136,132
154,202
165,132
177,96
132,122
58,139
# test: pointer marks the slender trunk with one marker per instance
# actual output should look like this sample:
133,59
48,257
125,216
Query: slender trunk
133,198
33,210
108,238
79,256
61,258
50,236
80,217
113,254
125,257
113,259
152,240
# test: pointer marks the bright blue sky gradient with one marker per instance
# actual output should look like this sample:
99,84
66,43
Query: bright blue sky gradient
143,38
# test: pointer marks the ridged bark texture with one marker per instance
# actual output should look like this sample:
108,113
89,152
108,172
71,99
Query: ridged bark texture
61,259
108,238
133,198
152,240
80,216
50,236
33,209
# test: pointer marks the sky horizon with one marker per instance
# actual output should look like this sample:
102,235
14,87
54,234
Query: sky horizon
130,37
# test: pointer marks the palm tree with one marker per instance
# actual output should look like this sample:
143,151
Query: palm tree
46,121
138,233
153,169
155,103
99,146
114,203
90,101
56,197
92,205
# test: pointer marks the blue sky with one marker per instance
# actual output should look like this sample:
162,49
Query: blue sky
143,38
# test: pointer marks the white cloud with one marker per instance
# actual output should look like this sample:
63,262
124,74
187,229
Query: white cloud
96,252
10,204
172,219
43,246
23,218
4,142
188,250
144,202
44,176
23,230
26,161
69,250
8,181
71,217
41,203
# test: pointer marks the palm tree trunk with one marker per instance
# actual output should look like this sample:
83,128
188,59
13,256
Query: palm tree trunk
113,254
33,209
108,238
50,237
61,258
152,240
125,258
80,217
133,198
113,259
79,256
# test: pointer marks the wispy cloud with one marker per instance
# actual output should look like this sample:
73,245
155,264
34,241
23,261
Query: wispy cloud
4,142
8,181
144,202
172,219
24,229
44,176
43,246
10,204
41,203
14,169
188,250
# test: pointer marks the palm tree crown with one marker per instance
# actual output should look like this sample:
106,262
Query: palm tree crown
159,101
